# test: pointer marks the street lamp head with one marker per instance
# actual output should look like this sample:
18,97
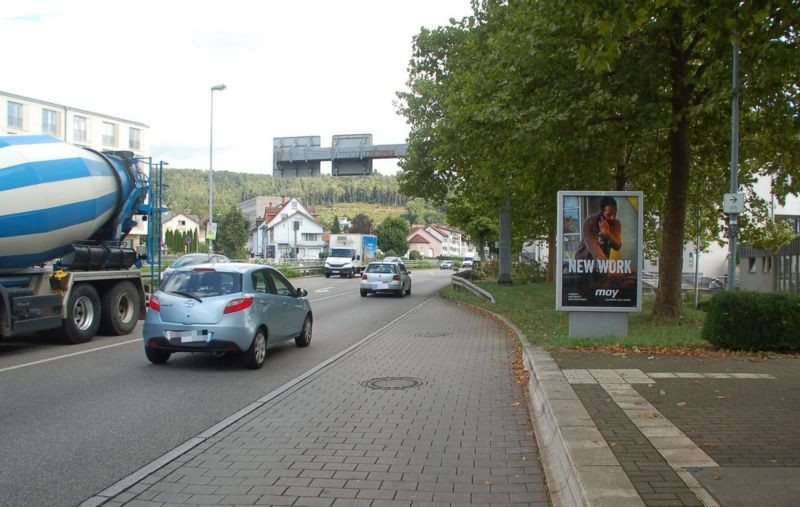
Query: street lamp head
218,88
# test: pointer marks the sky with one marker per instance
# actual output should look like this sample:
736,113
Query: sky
291,68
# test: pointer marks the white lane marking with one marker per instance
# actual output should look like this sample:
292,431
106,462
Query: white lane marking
331,297
9,368
324,289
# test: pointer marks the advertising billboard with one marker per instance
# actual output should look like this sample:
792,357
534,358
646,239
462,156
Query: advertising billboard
599,246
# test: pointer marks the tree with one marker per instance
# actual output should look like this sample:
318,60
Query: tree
232,232
361,224
392,234
529,97
335,227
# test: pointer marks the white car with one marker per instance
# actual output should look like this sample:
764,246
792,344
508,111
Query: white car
386,277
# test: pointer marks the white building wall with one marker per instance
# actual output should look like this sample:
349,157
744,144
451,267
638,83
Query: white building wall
32,123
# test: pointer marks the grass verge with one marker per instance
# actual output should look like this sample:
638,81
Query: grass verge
531,307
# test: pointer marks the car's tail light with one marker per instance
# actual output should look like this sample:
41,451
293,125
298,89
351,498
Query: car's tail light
364,276
396,278
154,304
238,304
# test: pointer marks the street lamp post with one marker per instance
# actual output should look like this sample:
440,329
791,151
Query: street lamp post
217,88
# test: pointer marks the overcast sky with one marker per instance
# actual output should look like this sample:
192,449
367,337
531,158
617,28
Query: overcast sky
292,68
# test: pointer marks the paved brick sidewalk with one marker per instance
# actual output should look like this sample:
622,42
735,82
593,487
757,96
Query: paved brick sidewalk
362,432
740,412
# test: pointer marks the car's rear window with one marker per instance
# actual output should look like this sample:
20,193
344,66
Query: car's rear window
203,283
190,261
381,268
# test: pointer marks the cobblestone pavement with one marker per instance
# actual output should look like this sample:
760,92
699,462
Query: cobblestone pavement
425,413
739,413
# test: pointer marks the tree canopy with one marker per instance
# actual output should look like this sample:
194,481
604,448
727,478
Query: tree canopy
392,233
526,98
232,233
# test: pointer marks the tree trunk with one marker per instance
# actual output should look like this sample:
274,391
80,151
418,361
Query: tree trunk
668,298
551,256
504,266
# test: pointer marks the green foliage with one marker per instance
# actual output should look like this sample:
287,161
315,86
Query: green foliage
527,98
361,224
414,255
392,233
335,227
531,307
186,190
773,236
232,231
753,321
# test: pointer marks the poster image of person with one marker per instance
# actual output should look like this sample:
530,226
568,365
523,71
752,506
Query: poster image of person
602,271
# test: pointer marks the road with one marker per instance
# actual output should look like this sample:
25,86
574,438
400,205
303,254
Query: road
76,419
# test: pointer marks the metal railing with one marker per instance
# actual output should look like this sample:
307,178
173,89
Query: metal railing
460,282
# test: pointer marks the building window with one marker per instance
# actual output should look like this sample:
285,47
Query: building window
14,115
134,139
109,134
310,237
751,265
79,128
49,122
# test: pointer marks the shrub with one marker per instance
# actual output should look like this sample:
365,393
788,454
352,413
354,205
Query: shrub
753,321
414,255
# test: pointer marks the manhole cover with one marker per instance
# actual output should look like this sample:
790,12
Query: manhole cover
393,383
431,334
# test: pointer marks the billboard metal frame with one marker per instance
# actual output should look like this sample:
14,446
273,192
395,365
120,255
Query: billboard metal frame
582,304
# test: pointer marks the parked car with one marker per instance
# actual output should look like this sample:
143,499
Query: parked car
385,277
446,265
193,259
227,307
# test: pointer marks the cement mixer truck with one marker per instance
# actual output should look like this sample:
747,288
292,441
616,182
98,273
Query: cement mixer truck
64,213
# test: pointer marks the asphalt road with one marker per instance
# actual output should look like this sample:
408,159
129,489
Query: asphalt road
76,419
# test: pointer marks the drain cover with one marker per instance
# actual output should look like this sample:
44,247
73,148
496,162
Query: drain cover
393,383
431,334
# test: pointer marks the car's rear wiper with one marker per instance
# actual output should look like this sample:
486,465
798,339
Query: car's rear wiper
187,295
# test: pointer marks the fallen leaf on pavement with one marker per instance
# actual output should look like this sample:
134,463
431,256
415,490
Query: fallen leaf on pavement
681,404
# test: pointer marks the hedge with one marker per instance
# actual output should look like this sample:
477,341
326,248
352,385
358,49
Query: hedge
753,321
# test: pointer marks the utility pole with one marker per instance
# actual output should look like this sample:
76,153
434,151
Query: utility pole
732,225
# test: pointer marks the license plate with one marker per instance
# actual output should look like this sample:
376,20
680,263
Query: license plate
380,286
334,271
186,336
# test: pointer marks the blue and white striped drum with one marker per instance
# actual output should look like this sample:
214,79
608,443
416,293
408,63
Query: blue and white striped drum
52,194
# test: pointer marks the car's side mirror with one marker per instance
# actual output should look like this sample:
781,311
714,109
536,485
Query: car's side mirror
358,257
301,293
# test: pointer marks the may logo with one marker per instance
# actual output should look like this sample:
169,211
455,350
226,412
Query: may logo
607,292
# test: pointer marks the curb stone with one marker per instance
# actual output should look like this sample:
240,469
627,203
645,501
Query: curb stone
580,467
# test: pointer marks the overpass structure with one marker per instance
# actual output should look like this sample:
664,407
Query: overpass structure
349,154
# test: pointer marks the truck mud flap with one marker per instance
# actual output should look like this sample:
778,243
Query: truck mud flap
23,312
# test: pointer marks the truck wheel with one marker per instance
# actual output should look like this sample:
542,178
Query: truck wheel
327,275
120,309
257,353
304,338
83,314
156,356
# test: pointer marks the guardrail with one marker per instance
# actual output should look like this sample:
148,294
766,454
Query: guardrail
459,282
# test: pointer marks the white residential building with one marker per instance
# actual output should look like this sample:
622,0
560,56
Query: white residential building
25,115
291,232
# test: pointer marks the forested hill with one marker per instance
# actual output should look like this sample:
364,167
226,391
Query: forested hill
186,190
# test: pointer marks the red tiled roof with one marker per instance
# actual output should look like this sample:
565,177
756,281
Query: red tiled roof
418,239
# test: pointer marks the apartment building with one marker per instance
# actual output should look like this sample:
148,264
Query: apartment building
26,115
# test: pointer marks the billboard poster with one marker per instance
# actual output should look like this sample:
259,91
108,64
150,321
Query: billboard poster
599,247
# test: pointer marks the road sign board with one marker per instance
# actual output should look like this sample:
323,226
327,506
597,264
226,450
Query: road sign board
733,203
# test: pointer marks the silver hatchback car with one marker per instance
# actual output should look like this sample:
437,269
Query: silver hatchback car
388,277
229,307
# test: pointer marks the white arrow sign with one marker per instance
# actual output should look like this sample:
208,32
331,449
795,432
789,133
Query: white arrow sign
733,203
